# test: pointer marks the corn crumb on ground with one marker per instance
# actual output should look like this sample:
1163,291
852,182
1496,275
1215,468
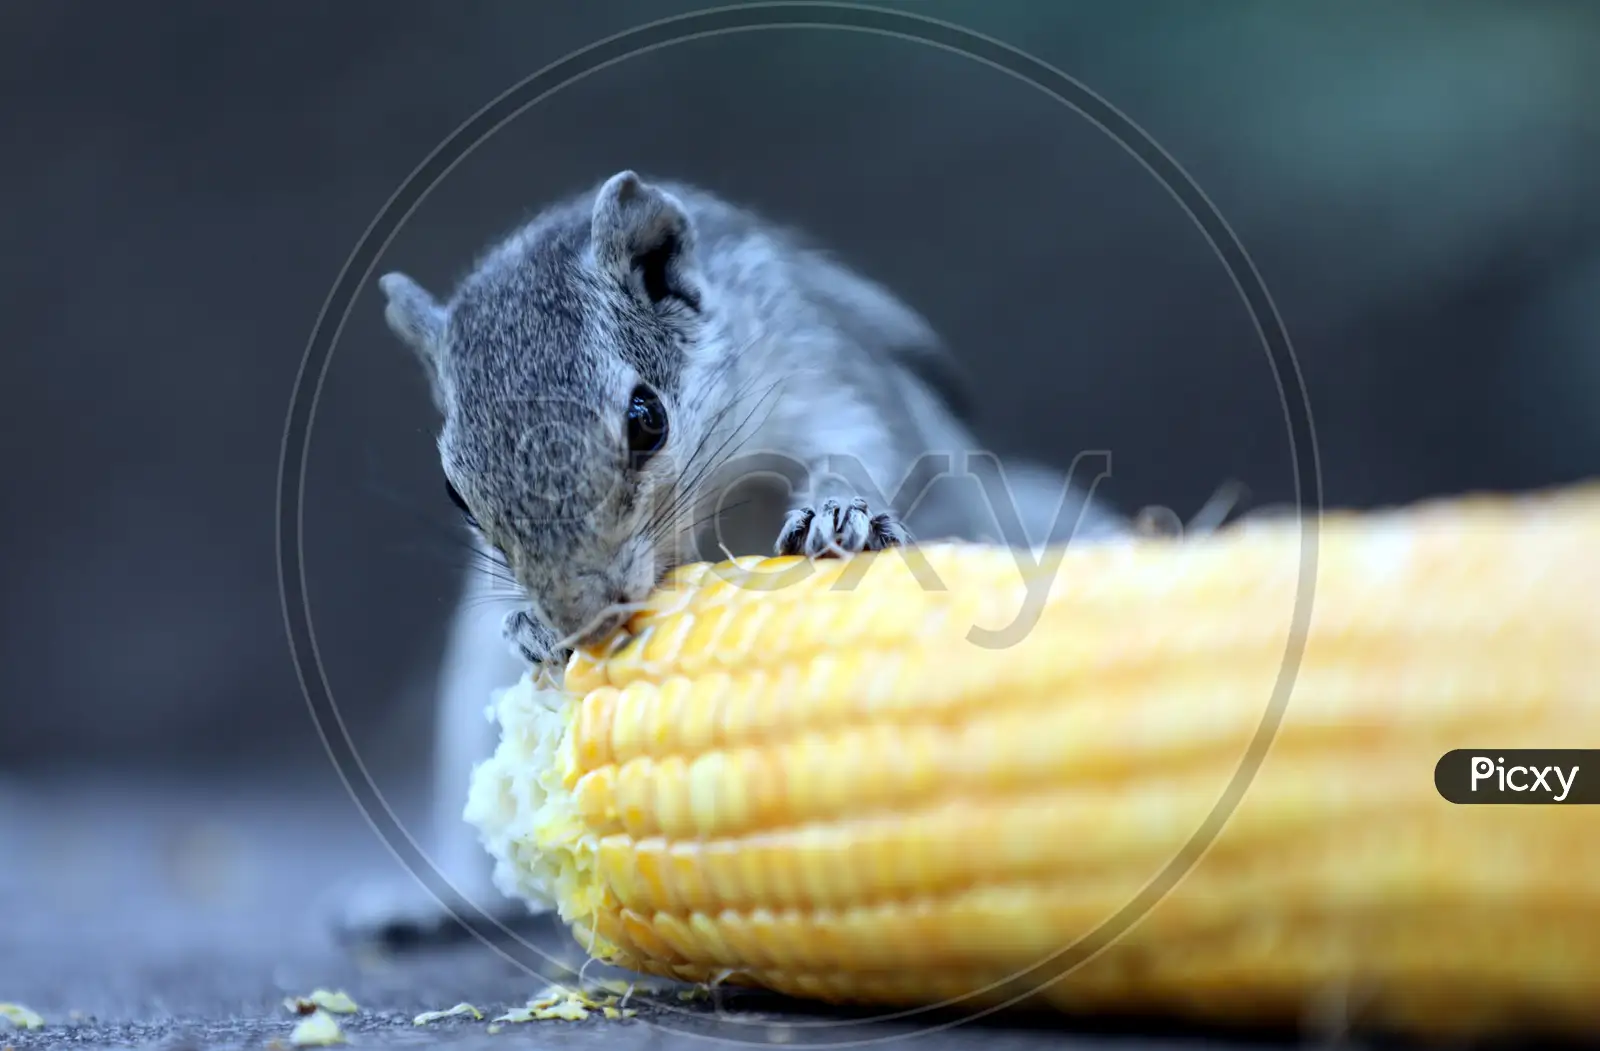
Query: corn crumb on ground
833,793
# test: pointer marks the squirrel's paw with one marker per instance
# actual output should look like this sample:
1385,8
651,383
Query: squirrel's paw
838,528
530,638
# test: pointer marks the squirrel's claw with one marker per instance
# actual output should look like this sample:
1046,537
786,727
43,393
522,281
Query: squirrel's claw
838,528
530,638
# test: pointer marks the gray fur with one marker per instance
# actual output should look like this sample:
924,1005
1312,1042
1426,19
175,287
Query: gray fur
766,347
771,356
420,323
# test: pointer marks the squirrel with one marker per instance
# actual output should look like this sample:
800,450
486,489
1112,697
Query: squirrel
639,369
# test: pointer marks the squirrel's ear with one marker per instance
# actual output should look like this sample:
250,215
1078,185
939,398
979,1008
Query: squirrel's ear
413,315
419,321
643,236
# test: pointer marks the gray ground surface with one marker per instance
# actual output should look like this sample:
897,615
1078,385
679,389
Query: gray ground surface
180,916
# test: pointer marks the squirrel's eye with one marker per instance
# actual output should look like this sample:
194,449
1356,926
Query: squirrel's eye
647,425
461,505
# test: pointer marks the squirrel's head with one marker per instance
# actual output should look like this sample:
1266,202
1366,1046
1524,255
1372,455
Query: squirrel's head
558,368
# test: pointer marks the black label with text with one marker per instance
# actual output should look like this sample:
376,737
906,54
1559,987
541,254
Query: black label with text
1519,776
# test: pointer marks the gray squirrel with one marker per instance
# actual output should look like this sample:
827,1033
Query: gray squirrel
644,375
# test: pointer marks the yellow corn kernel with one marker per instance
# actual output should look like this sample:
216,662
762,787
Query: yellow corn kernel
835,792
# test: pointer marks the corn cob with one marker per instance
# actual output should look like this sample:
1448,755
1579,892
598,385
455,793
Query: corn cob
832,793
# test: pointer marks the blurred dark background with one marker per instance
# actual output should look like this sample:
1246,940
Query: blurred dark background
182,182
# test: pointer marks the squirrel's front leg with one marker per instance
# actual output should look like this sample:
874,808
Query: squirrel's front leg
531,638
839,527
839,520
